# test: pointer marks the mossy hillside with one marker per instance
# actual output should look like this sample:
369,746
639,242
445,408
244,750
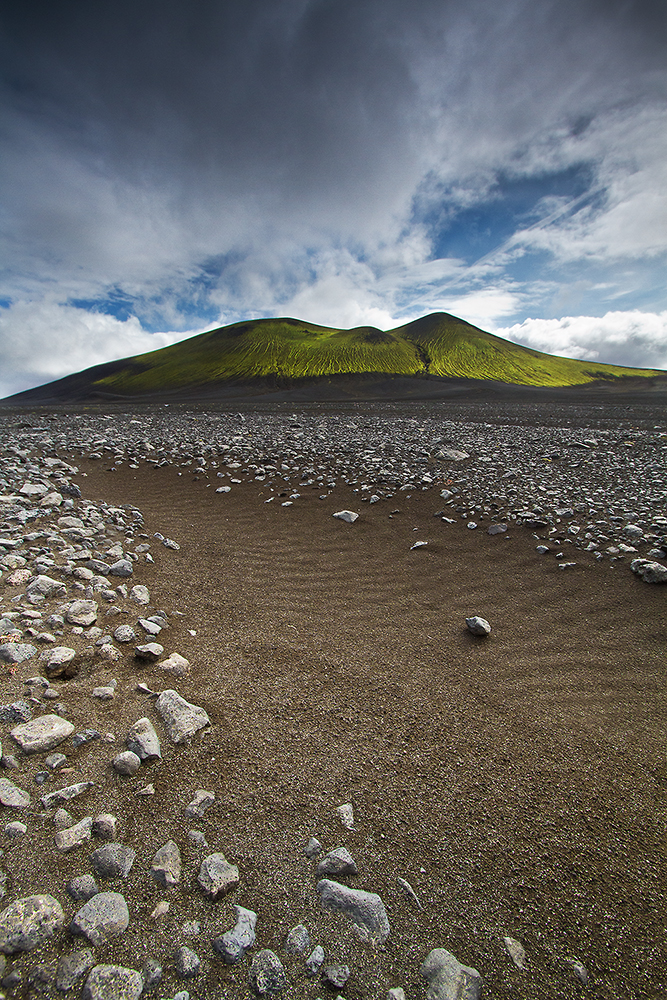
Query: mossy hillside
438,344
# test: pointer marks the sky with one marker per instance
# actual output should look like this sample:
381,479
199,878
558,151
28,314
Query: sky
171,167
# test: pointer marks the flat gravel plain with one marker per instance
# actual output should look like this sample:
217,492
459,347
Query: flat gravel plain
517,783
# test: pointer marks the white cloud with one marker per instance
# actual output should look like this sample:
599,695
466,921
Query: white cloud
634,338
42,341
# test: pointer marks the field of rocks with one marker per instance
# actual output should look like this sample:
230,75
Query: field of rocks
128,865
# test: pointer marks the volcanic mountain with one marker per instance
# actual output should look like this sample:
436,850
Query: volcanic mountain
278,355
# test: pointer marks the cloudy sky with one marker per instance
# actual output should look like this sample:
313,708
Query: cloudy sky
170,167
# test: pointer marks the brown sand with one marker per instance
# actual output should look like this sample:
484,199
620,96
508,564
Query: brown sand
519,783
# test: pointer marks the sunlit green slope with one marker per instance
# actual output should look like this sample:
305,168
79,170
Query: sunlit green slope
289,349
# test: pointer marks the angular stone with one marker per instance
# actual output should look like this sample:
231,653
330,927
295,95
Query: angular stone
74,836
125,633
113,982
82,888
58,662
338,862
650,572
149,651
11,796
166,866
365,909
140,594
16,652
449,980
73,967
232,945
82,612
346,515
216,876
44,587
176,665
187,963
478,626
113,860
496,529
29,922
314,961
103,917
42,734
121,568
143,740
181,719
202,801
335,976
266,975
104,826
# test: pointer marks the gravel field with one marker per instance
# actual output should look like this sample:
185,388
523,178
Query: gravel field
508,792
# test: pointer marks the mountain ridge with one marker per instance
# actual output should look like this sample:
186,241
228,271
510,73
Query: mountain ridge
285,353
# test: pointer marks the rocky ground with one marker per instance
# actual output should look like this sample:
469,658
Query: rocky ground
252,748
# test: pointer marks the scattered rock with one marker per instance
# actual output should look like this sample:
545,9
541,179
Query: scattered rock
202,801
217,877
42,734
335,976
72,968
143,740
181,719
187,963
365,909
338,862
113,982
649,571
449,980
29,922
346,515
103,917
11,796
74,836
149,651
516,952
166,866
82,612
16,652
176,665
312,848
298,941
266,975
113,860
82,888
314,961
127,763
232,945
345,814
478,626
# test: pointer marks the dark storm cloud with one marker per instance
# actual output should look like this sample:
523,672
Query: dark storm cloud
302,146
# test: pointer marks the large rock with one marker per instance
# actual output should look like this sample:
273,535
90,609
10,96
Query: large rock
42,734
232,945
113,982
143,740
166,866
74,836
43,587
113,860
338,862
346,515
216,876
16,652
649,571
365,909
82,612
29,922
181,719
266,975
121,568
73,967
62,795
103,917
59,662
449,980
11,796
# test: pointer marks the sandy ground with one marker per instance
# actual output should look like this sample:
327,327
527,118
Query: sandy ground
519,783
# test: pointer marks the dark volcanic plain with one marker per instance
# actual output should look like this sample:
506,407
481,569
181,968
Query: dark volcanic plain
517,782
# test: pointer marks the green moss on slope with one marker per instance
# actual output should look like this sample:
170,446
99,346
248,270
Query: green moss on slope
438,344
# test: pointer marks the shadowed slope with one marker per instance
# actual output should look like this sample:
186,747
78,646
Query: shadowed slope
270,352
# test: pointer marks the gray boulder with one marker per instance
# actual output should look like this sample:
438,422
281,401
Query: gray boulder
166,866
266,975
29,922
143,740
181,719
103,917
449,980
58,662
113,982
16,652
338,862
42,734
82,612
73,967
216,876
113,860
232,945
12,796
649,571
365,909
